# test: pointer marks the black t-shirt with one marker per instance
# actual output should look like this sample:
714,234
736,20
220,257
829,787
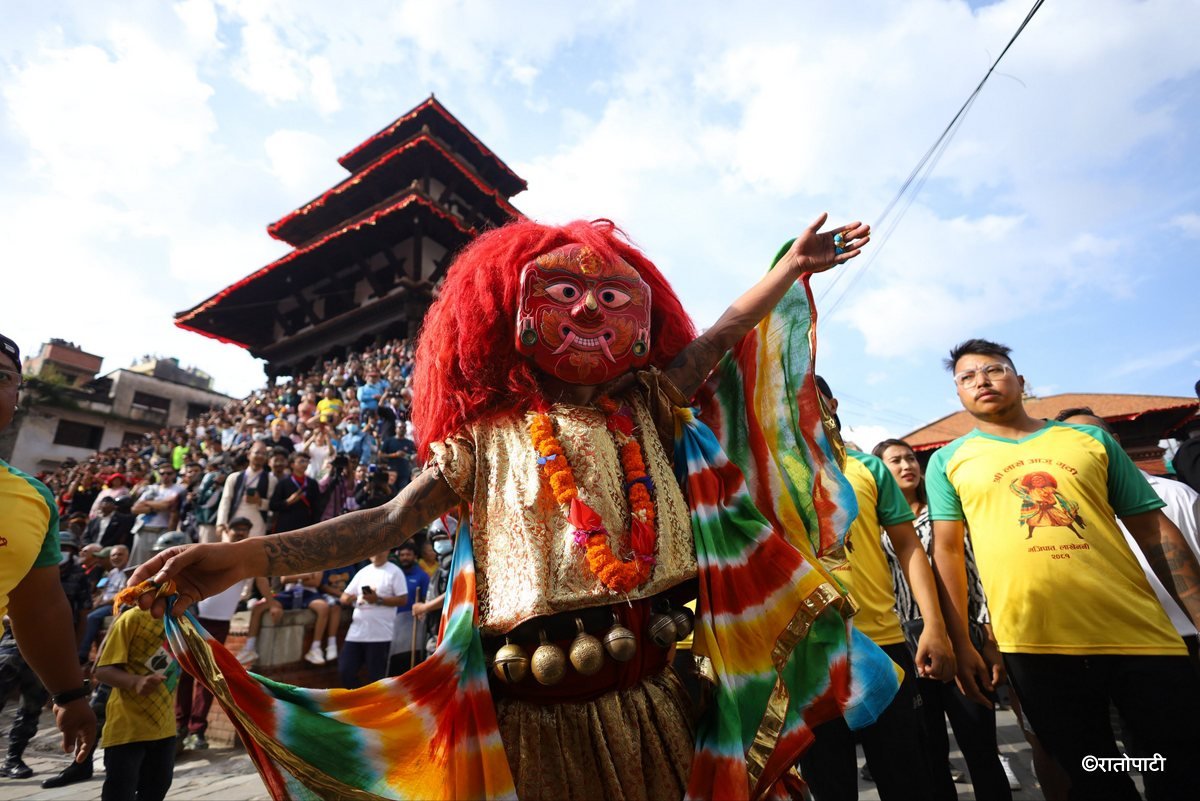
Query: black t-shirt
1187,463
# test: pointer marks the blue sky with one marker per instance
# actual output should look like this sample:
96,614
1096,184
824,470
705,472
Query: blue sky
147,144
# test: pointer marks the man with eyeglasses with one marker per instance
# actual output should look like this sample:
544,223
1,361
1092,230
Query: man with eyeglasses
1075,618
30,591
158,511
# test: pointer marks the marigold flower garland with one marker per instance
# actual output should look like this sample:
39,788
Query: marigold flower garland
615,573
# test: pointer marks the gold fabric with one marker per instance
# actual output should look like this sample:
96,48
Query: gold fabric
627,744
526,561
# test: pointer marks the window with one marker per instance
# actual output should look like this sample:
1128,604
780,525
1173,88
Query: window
148,401
78,435
197,409
133,438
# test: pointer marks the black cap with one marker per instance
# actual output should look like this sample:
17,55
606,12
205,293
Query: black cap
10,348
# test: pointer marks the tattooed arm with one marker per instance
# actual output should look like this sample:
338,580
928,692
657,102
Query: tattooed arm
203,570
1173,561
812,252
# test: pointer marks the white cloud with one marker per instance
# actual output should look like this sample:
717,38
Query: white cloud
867,436
107,120
323,88
302,162
1188,224
1157,361
200,22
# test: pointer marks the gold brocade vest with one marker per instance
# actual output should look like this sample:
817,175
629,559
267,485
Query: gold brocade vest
526,561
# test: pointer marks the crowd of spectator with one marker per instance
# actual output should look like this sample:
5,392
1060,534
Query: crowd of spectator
322,444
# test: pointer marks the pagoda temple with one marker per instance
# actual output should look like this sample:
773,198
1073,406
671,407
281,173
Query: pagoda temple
369,252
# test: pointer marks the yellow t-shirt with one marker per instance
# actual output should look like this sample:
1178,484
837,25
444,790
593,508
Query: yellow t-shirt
137,644
330,406
865,572
28,529
1059,576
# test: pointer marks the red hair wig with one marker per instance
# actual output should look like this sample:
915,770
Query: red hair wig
468,367
1027,481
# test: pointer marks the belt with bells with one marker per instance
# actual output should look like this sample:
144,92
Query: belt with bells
529,648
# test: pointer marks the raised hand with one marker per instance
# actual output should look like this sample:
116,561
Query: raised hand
815,251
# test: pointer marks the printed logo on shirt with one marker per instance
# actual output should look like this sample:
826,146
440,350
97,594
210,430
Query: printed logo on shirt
1043,506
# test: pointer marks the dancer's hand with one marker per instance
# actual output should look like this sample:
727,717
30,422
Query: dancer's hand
199,571
815,251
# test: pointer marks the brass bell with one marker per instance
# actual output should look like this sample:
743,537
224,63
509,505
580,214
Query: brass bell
620,642
685,621
510,664
549,662
586,654
661,630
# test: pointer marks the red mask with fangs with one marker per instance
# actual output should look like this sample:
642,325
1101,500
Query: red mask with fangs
583,320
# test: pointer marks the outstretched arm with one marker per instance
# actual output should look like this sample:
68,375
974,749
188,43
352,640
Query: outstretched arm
203,570
812,252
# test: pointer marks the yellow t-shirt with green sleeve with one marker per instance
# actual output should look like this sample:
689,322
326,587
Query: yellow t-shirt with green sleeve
28,528
866,573
1059,576
136,643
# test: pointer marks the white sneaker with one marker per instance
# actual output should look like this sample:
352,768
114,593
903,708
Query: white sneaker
314,655
1013,782
331,652
247,656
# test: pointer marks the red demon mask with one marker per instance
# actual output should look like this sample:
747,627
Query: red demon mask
582,320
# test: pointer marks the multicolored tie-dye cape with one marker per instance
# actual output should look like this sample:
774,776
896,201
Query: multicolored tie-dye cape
766,500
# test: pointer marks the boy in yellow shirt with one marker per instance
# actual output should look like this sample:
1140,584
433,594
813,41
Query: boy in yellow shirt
139,726
1074,616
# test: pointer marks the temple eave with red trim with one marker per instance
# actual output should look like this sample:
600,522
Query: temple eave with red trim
370,251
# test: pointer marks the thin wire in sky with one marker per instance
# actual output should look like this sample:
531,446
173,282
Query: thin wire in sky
917,178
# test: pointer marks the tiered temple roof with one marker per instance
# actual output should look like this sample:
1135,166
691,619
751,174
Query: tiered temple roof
1139,420
370,250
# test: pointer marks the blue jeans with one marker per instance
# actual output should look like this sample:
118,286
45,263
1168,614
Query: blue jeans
95,620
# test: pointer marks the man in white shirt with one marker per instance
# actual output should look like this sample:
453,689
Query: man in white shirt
374,592
158,511
247,493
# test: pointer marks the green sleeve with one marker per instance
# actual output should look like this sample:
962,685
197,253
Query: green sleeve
50,554
944,503
1129,493
891,507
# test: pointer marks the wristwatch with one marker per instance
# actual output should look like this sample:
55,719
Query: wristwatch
67,696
